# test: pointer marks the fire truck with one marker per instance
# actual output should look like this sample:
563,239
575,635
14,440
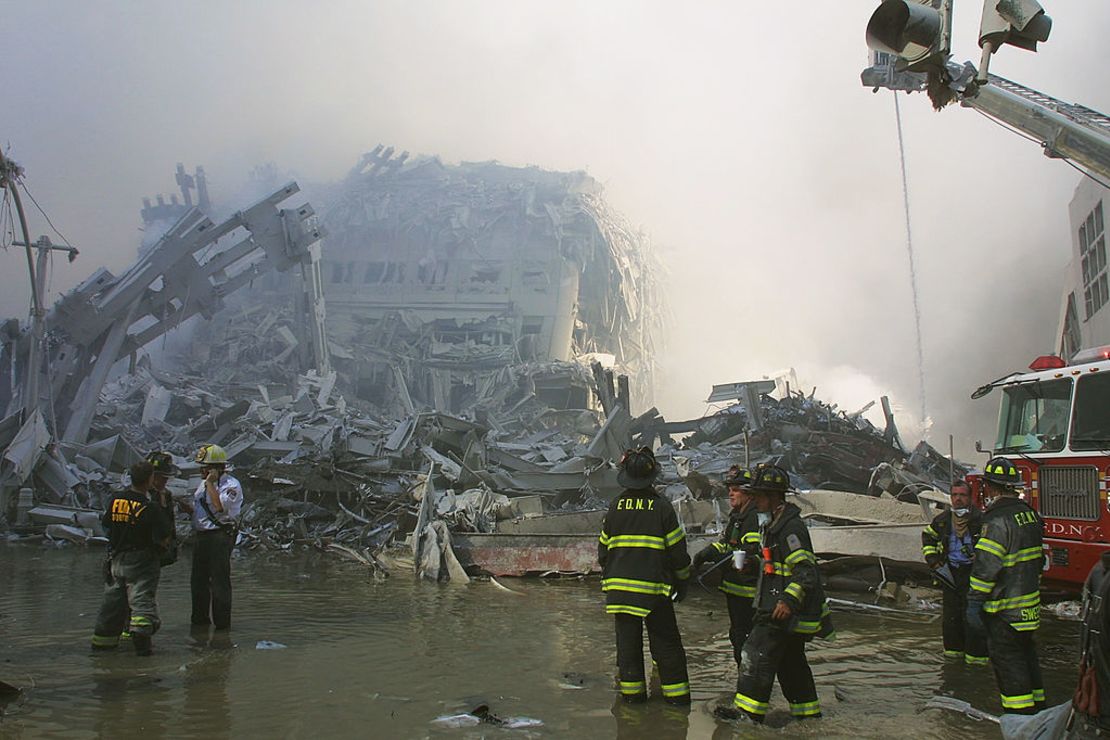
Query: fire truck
1054,425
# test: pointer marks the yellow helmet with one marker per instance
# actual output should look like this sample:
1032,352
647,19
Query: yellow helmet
211,455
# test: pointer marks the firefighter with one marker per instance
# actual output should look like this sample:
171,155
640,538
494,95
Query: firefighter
644,565
1091,701
948,544
789,605
160,496
1005,593
216,505
137,532
741,534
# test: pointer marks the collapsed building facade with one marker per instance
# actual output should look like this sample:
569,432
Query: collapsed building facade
452,287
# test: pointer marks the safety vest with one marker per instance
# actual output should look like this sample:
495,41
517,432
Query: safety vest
642,552
1006,574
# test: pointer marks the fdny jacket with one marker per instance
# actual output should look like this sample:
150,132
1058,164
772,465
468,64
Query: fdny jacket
741,533
133,523
642,552
1006,574
936,537
790,575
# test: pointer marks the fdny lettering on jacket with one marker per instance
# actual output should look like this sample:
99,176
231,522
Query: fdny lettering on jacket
637,504
126,511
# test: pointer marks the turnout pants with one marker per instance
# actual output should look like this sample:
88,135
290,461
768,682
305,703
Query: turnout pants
1016,667
210,581
740,613
132,591
771,651
665,643
960,639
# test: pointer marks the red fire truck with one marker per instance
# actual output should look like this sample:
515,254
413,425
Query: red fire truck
1054,425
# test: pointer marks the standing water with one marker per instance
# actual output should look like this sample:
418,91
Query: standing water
365,659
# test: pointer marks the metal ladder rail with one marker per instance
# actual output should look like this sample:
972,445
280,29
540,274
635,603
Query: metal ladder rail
1078,113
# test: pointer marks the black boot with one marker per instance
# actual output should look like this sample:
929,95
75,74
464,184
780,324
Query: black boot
142,644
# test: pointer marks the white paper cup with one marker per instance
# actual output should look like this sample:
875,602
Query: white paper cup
738,559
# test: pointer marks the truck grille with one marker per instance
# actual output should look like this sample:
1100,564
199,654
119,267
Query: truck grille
1069,491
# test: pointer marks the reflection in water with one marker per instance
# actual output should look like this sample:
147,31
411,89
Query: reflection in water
370,659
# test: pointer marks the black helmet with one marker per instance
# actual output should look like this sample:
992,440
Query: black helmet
162,462
638,468
769,479
1002,472
738,476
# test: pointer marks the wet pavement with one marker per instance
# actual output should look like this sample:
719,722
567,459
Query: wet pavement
366,659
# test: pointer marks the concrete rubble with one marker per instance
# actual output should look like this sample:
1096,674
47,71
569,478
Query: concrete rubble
489,345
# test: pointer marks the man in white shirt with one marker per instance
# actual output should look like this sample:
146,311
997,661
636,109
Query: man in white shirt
216,505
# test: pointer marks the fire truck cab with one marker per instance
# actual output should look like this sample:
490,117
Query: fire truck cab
1054,425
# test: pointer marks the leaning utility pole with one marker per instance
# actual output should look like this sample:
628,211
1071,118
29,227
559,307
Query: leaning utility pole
10,172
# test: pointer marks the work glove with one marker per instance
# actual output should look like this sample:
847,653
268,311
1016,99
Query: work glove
679,591
974,616
705,555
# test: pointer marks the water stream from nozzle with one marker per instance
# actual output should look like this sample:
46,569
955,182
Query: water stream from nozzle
913,270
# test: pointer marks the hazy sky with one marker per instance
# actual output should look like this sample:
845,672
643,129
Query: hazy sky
739,138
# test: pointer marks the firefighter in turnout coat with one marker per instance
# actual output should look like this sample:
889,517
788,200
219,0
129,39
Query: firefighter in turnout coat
741,534
644,565
790,607
1005,594
948,546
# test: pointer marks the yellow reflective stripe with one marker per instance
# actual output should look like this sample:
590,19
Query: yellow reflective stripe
603,539
976,660
1017,602
104,640
1026,626
636,540
953,653
140,620
1038,694
994,548
807,628
735,589
674,536
720,547
633,687
805,709
799,555
749,704
930,550
682,573
977,584
1020,701
750,537
1023,556
796,590
782,569
676,689
634,586
635,611
929,530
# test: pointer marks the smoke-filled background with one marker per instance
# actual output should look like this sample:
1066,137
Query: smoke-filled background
739,137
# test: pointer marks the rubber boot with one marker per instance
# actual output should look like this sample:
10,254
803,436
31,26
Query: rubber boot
142,643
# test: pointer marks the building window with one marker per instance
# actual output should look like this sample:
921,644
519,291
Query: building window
1092,253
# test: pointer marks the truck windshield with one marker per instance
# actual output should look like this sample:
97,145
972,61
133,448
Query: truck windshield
1090,428
1034,417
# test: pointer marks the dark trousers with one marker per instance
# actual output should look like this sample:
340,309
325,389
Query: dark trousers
740,613
1016,667
961,640
129,600
665,643
211,579
771,652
